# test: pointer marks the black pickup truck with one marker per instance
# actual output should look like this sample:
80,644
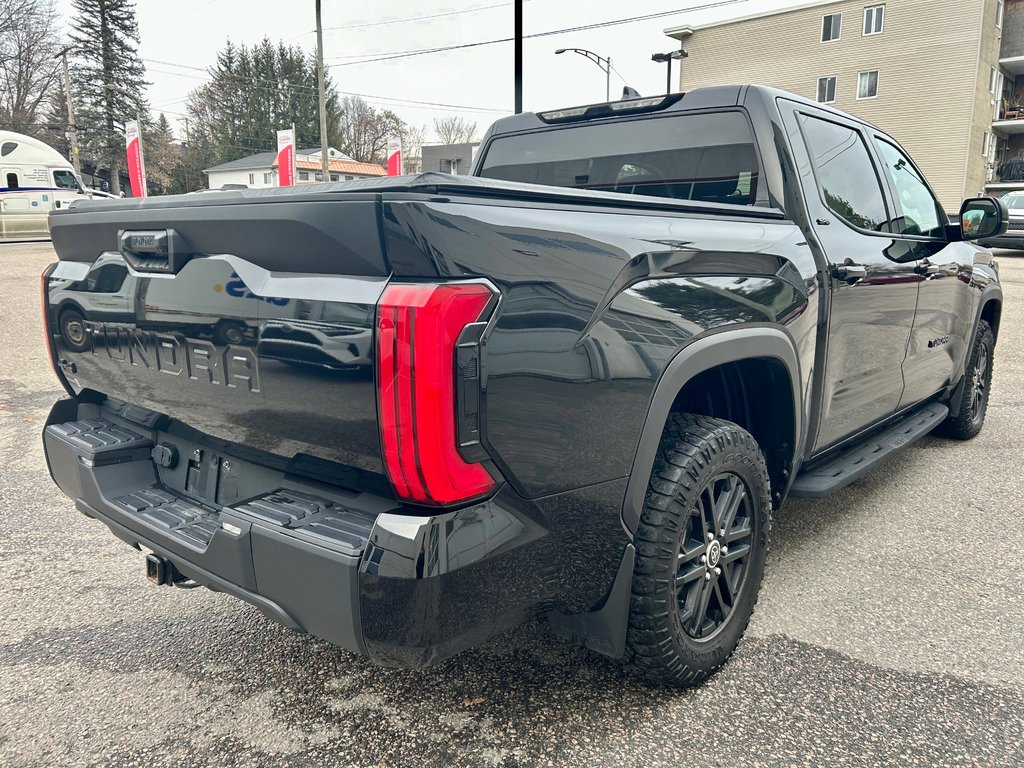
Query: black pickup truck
575,385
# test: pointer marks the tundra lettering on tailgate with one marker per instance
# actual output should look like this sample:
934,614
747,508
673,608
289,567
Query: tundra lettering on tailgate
174,354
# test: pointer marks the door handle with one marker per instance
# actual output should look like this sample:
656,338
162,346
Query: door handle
849,271
926,268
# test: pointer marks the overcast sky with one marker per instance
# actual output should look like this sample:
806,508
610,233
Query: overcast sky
178,34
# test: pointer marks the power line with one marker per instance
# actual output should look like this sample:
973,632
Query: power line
404,20
598,25
297,86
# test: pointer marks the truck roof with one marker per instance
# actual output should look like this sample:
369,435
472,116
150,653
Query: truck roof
699,98
19,149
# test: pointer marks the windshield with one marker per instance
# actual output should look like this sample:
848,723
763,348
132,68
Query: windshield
65,180
1014,201
708,157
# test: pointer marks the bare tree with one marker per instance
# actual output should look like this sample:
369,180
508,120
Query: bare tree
413,139
365,131
454,130
29,64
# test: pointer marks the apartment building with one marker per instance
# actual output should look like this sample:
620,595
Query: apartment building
939,75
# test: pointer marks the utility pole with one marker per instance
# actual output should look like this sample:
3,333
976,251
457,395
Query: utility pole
517,75
324,159
72,127
188,175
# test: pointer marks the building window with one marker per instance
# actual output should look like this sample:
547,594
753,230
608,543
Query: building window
831,25
268,178
867,84
349,178
827,89
303,175
874,17
999,14
334,177
252,178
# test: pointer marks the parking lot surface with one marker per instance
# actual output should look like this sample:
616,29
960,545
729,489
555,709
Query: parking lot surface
890,631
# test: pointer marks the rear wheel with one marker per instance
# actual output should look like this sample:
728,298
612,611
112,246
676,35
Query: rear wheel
229,332
700,550
72,330
977,382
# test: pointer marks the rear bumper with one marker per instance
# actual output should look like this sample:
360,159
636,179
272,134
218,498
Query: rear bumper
352,568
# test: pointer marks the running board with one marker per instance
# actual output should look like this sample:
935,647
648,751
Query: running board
838,471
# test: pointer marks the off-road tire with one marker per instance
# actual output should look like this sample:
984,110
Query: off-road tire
695,453
977,385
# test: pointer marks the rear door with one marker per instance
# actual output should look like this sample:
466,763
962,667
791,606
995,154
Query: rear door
945,302
872,282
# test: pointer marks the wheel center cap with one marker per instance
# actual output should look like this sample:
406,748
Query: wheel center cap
714,553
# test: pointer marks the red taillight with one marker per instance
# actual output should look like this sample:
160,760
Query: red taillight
417,329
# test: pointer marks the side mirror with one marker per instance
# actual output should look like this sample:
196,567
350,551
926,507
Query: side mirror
983,217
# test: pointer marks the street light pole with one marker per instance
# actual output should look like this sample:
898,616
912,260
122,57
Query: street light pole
666,59
605,65
72,128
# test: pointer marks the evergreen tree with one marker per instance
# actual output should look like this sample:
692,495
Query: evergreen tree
109,79
163,156
255,92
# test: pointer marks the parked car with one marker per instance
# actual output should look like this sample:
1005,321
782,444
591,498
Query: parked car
1014,235
594,371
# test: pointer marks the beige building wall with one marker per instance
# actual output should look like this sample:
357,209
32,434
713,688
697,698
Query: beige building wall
933,59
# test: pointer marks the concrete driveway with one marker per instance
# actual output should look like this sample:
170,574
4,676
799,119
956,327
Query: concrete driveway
890,631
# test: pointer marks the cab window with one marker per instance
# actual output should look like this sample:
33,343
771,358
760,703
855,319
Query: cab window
709,157
920,213
65,180
107,279
845,173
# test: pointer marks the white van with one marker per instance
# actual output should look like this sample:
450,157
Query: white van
34,179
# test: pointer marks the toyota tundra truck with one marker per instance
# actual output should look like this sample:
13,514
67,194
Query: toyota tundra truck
575,385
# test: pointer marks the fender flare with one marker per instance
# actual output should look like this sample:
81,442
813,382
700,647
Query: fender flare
991,292
702,354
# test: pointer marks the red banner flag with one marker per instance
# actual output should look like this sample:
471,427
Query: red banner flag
136,163
394,157
286,158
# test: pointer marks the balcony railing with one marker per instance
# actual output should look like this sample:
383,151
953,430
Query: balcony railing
1011,170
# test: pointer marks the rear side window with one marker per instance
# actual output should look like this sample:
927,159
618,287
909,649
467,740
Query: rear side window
708,157
845,173
12,181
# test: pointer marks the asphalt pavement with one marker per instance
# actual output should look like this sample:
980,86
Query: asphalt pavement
890,631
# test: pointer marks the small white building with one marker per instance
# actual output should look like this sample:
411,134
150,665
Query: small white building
260,170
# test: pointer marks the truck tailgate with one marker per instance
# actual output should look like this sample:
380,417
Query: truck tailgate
254,325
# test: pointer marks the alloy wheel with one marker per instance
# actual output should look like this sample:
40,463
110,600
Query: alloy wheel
713,554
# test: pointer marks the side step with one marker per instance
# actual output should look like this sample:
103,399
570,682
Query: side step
838,471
